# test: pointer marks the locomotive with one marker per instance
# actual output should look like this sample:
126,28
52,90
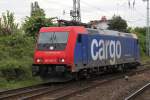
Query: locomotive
71,52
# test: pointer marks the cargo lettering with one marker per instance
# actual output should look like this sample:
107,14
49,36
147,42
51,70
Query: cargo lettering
104,49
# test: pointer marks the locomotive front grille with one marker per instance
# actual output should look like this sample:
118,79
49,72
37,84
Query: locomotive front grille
49,69
56,68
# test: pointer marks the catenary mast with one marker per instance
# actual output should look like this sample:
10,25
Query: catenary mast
147,31
76,13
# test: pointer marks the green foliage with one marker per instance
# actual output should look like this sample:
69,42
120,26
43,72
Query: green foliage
118,24
7,24
129,29
13,84
141,32
38,12
142,43
16,56
37,20
33,24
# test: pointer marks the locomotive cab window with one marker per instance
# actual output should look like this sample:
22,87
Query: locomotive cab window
52,40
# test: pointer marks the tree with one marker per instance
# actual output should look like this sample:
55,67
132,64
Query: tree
7,24
33,24
141,30
141,33
36,10
118,24
37,20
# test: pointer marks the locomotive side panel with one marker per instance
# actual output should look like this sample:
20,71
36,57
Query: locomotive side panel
104,50
81,52
111,50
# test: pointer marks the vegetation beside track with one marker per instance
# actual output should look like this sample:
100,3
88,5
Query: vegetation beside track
13,84
15,61
17,47
141,33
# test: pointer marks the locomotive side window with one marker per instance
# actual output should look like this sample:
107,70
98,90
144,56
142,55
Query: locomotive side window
79,38
137,41
92,31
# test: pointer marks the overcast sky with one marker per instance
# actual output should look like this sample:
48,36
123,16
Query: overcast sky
90,9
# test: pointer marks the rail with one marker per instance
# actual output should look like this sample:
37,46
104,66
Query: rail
139,91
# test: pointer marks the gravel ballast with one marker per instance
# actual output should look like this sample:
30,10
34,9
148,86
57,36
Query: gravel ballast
115,90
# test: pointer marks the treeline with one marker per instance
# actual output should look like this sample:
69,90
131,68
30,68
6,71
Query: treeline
17,43
141,33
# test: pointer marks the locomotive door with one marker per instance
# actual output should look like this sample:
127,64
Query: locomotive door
84,47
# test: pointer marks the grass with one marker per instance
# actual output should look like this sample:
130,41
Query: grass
13,84
145,59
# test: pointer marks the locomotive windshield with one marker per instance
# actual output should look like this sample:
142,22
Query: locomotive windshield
52,40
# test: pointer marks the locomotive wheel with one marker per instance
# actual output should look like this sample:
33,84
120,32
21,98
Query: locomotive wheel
123,68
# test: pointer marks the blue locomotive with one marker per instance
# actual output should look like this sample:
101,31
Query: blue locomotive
106,48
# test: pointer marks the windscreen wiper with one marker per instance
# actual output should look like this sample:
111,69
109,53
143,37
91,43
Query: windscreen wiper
55,39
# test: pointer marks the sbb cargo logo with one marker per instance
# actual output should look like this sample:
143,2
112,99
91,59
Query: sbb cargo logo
104,49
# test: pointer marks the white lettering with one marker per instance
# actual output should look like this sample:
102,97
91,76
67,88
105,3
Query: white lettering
118,49
101,50
112,52
104,49
94,43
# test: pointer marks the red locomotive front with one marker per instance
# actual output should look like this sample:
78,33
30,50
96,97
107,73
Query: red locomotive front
54,51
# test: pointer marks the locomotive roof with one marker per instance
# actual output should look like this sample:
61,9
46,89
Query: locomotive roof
111,32
78,29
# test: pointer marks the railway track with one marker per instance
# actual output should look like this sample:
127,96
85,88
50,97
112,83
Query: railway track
18,94
138,92
10,92
78,88
62,91
75,89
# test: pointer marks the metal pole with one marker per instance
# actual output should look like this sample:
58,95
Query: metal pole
148,30
74,10
76,13
79,12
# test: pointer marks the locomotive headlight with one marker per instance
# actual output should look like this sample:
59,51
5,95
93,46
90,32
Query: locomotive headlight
51,48
62,60
39,60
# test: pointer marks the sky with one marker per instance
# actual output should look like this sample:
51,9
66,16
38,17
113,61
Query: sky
90,9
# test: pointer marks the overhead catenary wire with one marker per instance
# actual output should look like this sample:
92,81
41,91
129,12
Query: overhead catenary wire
121,5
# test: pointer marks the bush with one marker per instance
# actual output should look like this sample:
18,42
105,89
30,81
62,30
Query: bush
7,24
141,33
16,56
